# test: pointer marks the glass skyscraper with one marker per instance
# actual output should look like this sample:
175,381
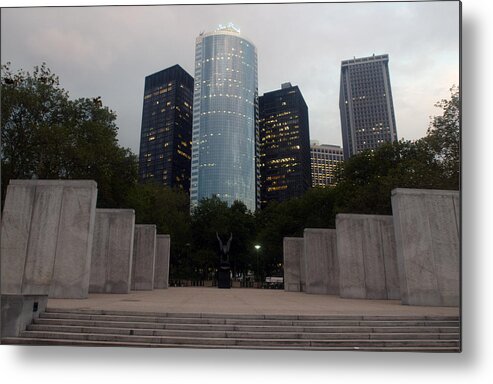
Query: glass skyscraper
225,119
365,104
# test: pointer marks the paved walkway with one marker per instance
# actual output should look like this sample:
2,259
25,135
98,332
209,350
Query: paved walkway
243,301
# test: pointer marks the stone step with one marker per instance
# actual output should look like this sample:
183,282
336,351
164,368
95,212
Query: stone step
198,330
250,316
240,321
244,328
92,343
243,335
241,341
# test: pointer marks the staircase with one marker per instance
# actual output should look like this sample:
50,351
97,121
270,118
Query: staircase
289,332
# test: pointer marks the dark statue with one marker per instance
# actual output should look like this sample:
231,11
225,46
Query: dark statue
224,249
223,272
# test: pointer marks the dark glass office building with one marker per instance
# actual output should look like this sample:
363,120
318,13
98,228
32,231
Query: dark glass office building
365,104
285,167
166,134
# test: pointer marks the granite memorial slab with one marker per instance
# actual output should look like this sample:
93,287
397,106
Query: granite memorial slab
367,257
293,248
321,262
144,254
427,233
47,234
161,270
112,251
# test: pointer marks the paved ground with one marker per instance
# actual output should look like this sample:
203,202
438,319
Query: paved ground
244,301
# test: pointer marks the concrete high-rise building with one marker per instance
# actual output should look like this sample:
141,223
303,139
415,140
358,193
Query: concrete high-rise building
284,144
225,119
324,159
365,104
166,133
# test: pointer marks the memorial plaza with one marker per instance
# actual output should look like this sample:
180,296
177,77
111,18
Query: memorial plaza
76,275
244,301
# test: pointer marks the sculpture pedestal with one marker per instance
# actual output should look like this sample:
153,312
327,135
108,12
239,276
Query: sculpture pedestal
224,275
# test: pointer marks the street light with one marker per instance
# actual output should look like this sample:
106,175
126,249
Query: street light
189,269
257,248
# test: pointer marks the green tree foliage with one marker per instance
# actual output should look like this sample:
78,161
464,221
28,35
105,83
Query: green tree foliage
48,136
213,216
444,138
242,226
169,210
365,181
315,209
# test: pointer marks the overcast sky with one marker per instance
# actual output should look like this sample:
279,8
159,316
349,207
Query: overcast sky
108,51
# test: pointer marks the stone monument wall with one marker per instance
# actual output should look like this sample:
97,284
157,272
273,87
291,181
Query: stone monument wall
367,257
321,263
293,248
161,270
427,233
18,311
47,233
144,255
112,251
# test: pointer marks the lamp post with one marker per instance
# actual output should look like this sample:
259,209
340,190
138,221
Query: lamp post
189,254
257,249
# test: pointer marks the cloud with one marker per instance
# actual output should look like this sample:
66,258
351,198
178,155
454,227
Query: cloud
108,51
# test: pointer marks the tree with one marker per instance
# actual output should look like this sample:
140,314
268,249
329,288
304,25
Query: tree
209,217
48,136
169,210
365,181
314,209
213,216
443,136
241,223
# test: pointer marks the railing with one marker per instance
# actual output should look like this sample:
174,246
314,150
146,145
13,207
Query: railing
213,283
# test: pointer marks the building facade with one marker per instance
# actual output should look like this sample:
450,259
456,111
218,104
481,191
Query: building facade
324,160
166,133
225,119
365,104
284,144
